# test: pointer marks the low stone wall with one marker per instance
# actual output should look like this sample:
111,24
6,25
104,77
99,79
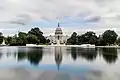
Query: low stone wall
107,46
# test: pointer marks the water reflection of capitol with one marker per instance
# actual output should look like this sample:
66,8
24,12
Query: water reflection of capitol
58,56
35,55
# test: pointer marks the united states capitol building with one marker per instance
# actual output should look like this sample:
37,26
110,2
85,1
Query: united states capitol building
58,37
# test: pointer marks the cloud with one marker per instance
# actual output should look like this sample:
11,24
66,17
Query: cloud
44,9
93,19
53,9
85,14
21,19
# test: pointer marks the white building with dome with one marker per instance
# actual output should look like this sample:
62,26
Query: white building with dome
58,38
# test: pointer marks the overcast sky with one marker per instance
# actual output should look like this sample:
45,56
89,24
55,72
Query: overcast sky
73,15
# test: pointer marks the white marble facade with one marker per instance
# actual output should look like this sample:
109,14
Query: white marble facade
58,38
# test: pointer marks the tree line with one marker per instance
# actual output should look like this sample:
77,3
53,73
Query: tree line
109,37
34,36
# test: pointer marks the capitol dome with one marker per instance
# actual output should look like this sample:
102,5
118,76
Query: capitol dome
58,30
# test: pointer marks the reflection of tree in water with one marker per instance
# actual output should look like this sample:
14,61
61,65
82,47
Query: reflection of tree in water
88,54
21,56
58,56
74,53
34,55
0,55
110,55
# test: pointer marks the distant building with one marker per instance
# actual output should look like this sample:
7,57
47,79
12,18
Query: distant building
3,43
58,38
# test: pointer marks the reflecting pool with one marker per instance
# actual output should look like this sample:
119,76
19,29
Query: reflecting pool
59,63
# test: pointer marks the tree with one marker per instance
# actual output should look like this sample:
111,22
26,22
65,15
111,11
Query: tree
72,39
1,34
1,37
118,41
22,38
88,38
14,40
32,39
109,36
8,40
36,31
39,34
34,36
47,41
